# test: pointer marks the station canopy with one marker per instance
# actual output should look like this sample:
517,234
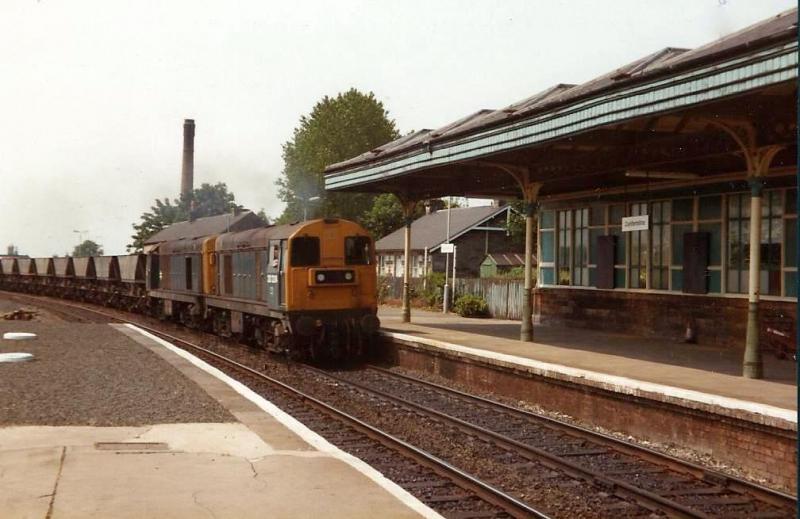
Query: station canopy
671,116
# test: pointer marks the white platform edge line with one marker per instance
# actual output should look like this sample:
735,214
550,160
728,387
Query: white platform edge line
628,385
312,438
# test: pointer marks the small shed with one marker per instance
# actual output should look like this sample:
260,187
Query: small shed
500,263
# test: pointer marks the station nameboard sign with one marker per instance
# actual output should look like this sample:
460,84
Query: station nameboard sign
636,223
448,248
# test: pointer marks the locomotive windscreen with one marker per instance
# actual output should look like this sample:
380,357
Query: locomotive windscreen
305,251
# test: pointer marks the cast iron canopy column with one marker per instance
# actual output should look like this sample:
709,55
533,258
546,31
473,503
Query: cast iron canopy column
531,192
757,159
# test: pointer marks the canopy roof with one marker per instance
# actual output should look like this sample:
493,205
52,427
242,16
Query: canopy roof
659,112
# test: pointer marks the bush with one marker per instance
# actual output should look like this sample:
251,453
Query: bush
434,286
471,306
384,289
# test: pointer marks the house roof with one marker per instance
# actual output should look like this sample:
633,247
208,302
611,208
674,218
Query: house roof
508,259
207,226
429,231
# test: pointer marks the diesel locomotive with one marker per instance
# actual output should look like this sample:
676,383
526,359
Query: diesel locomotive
305,289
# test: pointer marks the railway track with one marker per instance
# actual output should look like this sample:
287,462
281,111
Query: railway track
622,479
652,479
440,485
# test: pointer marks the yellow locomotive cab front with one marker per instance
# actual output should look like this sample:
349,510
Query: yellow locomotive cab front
331,267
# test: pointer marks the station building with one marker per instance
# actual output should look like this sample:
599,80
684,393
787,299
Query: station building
663,193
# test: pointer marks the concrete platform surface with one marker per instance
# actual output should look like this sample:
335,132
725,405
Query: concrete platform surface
263,464
204,470
702,369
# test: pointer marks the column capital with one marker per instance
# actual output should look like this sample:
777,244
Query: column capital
756,186
530,191
529,208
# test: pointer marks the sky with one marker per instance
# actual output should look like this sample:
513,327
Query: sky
93,93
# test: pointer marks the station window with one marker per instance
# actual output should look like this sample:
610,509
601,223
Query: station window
771,242
546,260
660,212
305,251
357,250
738,242
654,258
790,250
638,257
564,246
770,247
580,254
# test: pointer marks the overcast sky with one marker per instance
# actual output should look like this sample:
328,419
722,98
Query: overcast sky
93,93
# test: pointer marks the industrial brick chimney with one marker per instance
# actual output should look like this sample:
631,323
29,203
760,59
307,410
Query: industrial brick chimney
187,169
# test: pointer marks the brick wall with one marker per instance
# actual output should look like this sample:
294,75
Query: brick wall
718,320
761,450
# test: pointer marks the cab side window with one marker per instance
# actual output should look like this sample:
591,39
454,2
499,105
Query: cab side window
357,250
305,251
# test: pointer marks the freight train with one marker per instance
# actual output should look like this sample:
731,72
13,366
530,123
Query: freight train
306,289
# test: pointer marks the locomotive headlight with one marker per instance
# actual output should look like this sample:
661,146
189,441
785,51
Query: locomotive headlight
320,277
348,276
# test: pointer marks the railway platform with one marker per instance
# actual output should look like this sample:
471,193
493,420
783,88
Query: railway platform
108,422
658,390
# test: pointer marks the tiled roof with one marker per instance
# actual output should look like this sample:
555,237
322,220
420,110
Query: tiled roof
430,230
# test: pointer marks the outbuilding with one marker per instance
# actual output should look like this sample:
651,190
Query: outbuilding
503,263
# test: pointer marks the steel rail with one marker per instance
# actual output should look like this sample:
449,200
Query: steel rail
759,492
618,487
483,490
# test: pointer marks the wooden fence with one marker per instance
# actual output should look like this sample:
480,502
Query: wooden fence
504,296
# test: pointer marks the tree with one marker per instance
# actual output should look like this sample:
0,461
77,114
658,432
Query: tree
263,217
516,224
207,200
386,215
87,248
337,129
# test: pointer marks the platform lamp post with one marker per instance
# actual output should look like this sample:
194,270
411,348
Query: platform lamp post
446,295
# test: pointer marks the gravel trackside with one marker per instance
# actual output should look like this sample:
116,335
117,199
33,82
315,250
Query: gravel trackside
91,374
